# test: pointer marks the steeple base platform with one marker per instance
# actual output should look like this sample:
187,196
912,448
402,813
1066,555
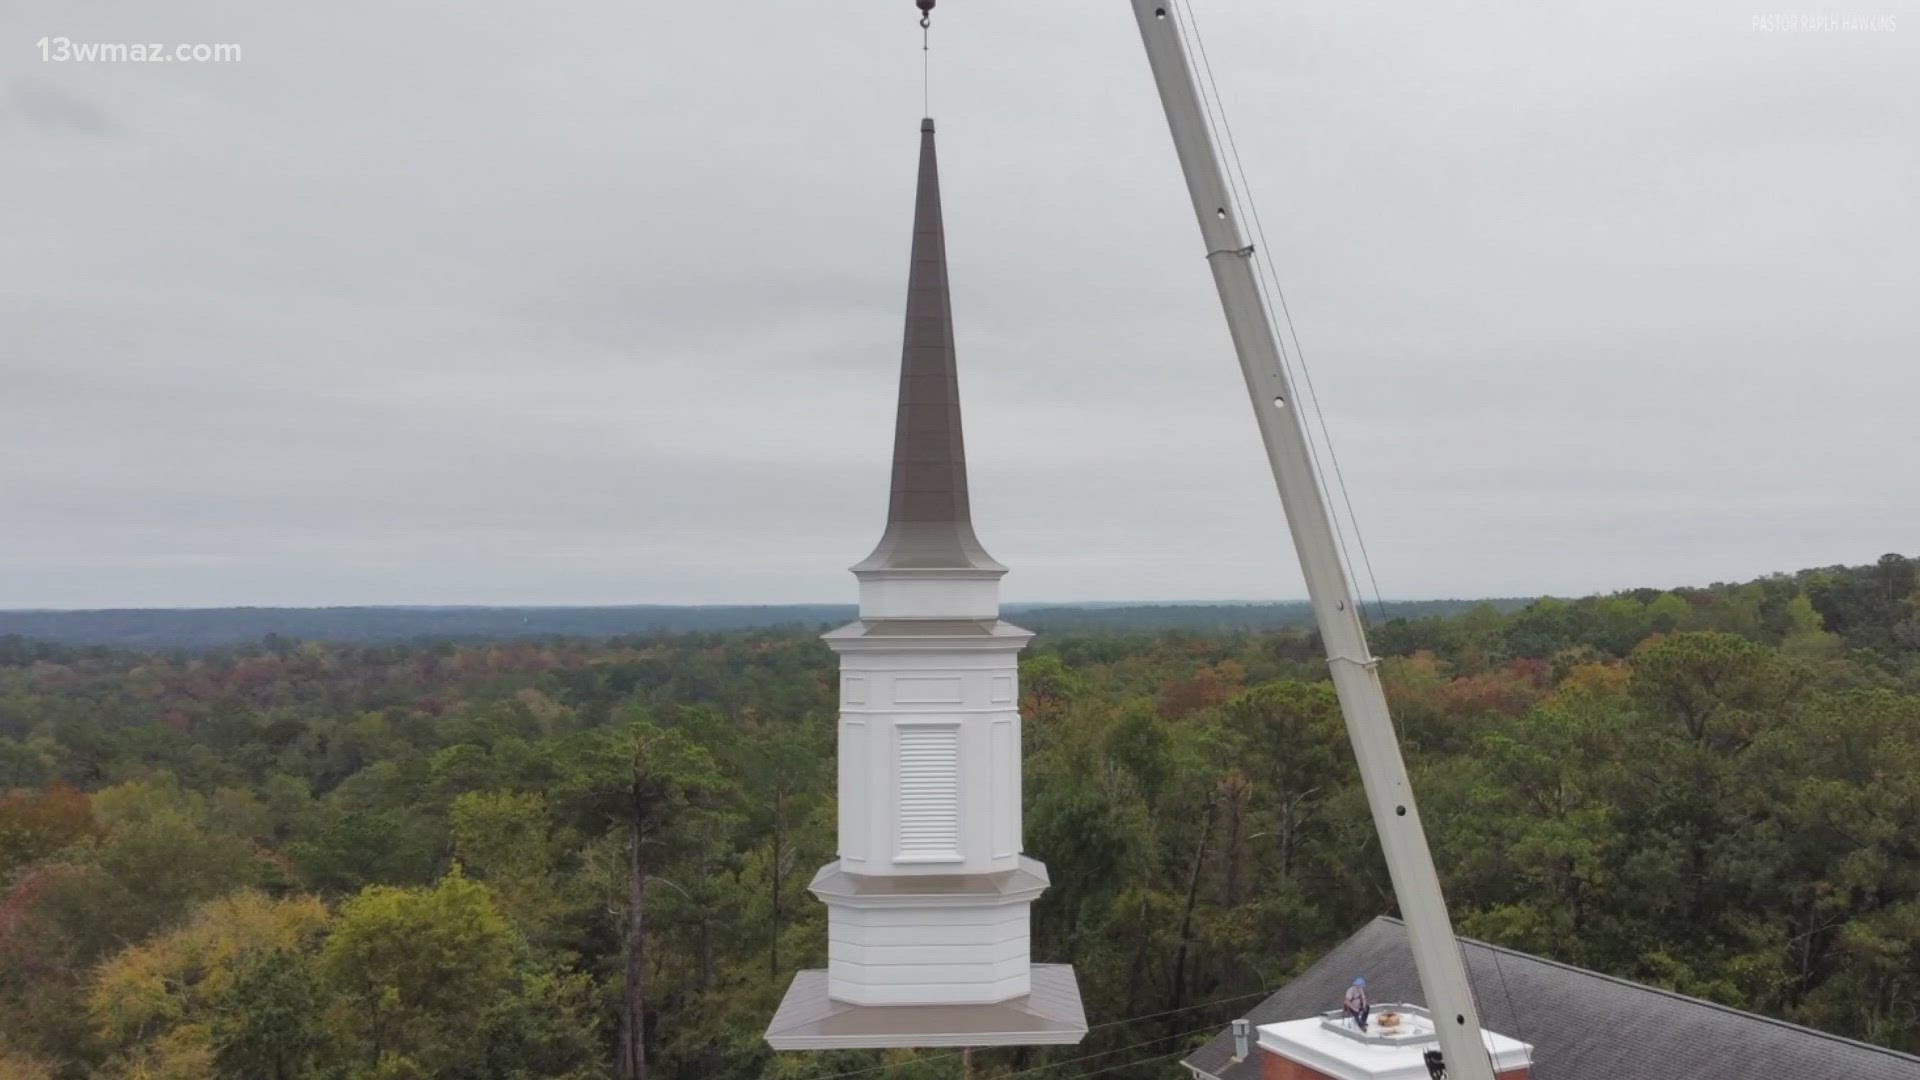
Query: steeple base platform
1051,1015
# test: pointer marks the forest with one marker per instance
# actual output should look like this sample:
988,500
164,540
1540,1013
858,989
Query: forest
168,628
573,859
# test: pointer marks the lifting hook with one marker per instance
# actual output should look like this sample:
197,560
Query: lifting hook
926,12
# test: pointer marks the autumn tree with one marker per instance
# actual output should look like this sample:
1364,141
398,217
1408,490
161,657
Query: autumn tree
156,1005
410,971
34,825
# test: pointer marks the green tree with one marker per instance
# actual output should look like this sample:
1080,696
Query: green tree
1718,687
267,1026
1807,636
1294,737
547,1027
1541,825
645,782
412,973
1667,613
156,1004
506,840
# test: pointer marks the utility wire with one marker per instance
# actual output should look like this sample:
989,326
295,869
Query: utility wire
1095,1027
1270,279
1115,1050
1107,1068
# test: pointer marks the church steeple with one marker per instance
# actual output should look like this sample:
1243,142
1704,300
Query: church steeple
929,902
929,523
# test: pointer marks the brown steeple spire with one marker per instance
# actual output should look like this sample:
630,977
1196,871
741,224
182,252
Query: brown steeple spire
929,526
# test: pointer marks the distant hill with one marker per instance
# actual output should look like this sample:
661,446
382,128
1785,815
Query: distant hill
195,628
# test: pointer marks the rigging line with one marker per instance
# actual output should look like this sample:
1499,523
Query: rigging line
1273,275
1222,134
1486,1036
1512,1012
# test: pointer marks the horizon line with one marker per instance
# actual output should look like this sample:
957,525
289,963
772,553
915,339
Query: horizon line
697,604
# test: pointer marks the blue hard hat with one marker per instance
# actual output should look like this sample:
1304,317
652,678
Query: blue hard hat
1361,981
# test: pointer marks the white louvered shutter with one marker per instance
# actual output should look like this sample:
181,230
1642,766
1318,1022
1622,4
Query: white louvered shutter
929,793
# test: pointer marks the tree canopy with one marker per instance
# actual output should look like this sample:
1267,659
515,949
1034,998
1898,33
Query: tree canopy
574,860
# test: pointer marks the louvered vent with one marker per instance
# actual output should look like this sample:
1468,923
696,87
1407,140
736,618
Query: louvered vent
929,793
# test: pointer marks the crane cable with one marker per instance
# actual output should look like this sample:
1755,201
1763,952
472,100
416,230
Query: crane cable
926,56
1242,195
1241,192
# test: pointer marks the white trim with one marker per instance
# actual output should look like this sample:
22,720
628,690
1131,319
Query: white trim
853,785
1003,757
929,690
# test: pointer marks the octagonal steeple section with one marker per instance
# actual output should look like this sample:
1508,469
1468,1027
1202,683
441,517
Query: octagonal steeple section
929,564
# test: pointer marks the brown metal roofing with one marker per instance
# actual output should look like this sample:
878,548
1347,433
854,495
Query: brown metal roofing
929,523
1583,1025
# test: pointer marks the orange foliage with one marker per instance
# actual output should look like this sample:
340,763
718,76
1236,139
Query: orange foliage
34,825
1597,679
17,907
1433,703
1210,686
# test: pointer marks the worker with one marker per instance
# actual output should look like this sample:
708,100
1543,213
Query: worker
1355,1006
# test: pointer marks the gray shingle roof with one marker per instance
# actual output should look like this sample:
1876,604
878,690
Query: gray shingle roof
1583,1025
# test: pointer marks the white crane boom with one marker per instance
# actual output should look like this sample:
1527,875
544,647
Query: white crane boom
1356,677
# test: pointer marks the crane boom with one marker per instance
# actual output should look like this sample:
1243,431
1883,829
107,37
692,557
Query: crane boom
1356,676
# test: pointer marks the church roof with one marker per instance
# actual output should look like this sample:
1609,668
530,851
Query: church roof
1583,1025
929,522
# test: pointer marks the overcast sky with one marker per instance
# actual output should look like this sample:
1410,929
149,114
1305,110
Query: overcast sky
500,302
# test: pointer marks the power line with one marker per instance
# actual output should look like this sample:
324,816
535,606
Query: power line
1095,1027
1116,1050
1105,1069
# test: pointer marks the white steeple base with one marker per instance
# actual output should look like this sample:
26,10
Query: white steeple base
930,904
929,940
809,1019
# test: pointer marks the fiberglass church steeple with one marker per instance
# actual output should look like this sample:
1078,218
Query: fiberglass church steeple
929,903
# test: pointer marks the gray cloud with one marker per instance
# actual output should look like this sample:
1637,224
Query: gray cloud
599,303
49,107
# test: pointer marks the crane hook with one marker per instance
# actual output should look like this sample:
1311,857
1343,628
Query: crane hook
926,12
